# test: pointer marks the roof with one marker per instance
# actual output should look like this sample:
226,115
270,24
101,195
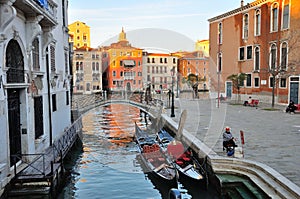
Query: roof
238,10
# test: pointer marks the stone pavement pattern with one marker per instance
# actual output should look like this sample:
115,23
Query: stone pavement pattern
271,137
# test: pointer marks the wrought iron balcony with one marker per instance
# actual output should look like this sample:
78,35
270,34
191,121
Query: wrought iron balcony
34,8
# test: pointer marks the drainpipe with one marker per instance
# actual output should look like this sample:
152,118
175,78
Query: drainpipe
49,97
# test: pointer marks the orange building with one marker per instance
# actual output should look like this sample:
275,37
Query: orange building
194,63
258,39
124,70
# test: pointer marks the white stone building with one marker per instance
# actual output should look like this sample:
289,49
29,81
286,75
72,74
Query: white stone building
159,70
34,79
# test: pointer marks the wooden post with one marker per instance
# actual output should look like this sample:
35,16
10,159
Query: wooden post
242,141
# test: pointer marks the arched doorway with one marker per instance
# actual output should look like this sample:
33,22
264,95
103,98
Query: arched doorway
15,74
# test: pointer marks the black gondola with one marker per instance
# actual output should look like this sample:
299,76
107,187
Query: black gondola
153,158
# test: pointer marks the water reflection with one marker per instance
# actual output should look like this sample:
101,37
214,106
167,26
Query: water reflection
108,166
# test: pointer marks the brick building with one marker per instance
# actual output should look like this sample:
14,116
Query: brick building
260,40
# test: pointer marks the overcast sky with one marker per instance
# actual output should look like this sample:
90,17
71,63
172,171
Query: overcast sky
187,17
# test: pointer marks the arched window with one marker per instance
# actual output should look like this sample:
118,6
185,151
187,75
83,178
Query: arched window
220,33
257,22
286,15
14,63
256,58
245,26
35,55
284,55
273,56
274,17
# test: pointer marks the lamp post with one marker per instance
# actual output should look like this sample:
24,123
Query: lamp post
172,105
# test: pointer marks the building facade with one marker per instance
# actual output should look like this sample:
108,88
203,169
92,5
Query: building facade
260,40
87,71
79,34
202,45
159,70
195,63
34,79
124,66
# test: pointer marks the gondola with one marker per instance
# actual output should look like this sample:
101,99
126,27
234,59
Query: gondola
188,166
153,158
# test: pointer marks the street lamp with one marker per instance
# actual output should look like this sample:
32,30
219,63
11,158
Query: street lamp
172,106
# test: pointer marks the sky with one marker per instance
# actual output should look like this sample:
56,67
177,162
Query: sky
187,17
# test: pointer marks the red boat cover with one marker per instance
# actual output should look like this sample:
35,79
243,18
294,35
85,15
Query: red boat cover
175,149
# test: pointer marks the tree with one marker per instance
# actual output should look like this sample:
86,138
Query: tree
281,59
193,81
237,82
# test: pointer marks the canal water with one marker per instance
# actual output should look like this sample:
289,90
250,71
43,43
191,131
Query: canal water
108,166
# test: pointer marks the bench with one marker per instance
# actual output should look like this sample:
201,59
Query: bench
253,103
298,108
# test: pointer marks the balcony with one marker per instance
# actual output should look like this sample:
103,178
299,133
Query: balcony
34,8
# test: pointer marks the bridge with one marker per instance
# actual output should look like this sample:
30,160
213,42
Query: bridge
84,103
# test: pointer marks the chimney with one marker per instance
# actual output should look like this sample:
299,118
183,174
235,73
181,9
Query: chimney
242,3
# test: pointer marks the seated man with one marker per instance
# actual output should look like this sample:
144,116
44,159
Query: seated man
228,139
291,107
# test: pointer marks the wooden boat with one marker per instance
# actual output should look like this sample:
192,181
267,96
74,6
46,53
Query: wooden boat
153,158
188,166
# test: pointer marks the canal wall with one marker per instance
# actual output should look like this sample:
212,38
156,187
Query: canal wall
267,179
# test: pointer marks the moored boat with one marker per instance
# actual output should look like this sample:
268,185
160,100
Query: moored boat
153,158
188,166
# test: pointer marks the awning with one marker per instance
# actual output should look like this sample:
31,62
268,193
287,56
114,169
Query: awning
129,63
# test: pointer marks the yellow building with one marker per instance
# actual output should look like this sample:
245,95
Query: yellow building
79,34
202,45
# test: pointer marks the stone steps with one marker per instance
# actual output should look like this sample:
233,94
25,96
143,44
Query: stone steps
269,180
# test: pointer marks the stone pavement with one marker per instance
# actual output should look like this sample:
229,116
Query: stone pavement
271,137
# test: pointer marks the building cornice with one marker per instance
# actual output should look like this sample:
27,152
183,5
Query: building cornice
239,10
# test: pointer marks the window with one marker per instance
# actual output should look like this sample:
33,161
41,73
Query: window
242,53
148,69
274,17
52,58
273,57
174,61
166,60
256,58
219,62
271,82
256,82
257,22
66,62
161,60
282,83
35,54
153,60
148,59
249,52
67,98
54,108
220,33
248,80
114,73
245,26
148,78
286,16
283,56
